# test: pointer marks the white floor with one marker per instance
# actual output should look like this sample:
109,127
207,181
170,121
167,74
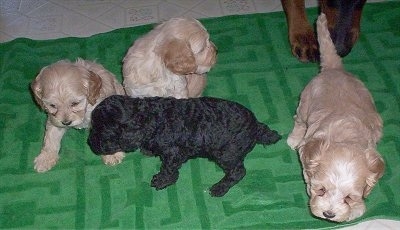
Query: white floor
46,19
49,19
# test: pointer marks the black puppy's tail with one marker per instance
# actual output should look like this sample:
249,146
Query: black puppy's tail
266,136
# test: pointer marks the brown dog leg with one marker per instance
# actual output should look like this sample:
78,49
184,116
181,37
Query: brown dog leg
301,35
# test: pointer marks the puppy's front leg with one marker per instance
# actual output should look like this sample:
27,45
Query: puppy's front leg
51,146
297,134
357,210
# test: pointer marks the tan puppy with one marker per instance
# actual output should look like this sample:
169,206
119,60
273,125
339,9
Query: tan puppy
171,60
336,131
68,92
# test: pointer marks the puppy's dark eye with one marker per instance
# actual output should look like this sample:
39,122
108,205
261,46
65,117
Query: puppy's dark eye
321,192
73,104
52,106
348,199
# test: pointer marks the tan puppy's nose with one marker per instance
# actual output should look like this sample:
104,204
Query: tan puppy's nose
329,214
66,122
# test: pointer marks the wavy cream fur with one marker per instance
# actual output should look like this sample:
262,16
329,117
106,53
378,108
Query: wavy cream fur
336,132
170,60
68,92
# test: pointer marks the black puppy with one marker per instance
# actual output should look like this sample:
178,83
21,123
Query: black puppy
177,130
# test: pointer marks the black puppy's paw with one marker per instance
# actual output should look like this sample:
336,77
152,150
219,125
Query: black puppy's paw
161,181
218,190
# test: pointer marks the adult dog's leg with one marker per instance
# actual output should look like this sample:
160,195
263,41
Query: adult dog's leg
51,146
302,39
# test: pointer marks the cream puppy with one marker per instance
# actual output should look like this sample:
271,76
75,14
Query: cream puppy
336,132
68,92
170,60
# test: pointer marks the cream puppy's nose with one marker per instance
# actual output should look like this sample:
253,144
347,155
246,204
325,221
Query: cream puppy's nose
329,214
66,123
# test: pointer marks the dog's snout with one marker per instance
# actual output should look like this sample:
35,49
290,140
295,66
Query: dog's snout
329,214
66,123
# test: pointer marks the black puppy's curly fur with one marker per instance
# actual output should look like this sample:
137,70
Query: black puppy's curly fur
177,130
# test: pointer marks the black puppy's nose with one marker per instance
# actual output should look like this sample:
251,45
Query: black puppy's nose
329,214
66,123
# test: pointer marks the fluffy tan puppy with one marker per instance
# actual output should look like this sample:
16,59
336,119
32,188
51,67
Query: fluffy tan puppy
170,60
336,131
68,92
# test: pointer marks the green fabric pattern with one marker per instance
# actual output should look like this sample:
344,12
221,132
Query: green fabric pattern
255,68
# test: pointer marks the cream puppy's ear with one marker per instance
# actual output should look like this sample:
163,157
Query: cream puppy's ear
376,167
36,87
178,57
94,87
310,153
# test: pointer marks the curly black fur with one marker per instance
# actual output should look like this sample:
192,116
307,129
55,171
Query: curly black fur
177,130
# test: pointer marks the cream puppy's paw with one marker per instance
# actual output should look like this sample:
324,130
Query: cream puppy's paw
357,211
292,142
45,161
113,159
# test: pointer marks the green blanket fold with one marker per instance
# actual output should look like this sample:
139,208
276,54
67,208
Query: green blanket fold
255,68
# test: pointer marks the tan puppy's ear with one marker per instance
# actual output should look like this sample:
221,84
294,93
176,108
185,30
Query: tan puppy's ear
36,88
178,57
94,87
376,167
310,153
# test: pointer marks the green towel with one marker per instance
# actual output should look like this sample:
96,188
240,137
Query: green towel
255,68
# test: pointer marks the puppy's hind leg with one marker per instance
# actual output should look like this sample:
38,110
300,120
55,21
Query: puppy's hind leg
171,161
233,174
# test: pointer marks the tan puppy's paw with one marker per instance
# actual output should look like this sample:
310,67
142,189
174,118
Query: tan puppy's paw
45,161
113,159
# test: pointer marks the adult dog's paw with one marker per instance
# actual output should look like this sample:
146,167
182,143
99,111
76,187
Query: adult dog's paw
113,159
305,46
45,161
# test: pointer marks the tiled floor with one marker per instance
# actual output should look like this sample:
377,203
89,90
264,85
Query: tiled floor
46,19
49,19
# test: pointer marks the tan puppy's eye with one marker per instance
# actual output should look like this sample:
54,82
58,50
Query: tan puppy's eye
75,103
350,199
321,192
347,199
52,106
